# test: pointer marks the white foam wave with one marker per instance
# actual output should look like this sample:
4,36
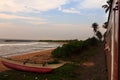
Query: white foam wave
18,44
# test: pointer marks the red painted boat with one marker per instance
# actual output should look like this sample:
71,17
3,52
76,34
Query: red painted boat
38,68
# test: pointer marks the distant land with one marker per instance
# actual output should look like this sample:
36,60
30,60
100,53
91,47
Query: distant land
21,40
16,40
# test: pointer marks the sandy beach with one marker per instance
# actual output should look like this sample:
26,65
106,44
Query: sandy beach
34,57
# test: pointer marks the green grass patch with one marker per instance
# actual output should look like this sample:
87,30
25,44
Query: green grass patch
87,54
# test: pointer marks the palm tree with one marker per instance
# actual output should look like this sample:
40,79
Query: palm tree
95,27
105,25
99,35
107,6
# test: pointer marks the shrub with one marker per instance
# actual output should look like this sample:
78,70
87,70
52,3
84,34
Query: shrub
74,47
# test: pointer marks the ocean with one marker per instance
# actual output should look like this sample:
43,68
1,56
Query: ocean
17,48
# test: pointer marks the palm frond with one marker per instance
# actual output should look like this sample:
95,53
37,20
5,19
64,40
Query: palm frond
105,6
107,9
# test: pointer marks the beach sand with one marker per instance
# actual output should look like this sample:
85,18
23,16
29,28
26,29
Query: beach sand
34,57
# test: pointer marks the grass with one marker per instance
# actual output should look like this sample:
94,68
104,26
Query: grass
65,72
91,52
83,56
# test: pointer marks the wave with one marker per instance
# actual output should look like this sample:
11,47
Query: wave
24,47
22,44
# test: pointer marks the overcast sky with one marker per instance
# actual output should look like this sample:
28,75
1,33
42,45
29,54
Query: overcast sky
50,19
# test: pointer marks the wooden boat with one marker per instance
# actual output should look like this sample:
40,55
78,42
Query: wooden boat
30,67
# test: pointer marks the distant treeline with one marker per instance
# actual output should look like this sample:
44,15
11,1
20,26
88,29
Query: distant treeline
20,40
14,40
55,40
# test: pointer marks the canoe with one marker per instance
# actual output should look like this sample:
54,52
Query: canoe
30,67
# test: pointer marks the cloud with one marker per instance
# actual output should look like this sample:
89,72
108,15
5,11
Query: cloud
45,5
7,24
38,23
8,16
70,10
30,5
29,20
92,4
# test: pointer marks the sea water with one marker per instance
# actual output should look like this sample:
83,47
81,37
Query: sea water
16,48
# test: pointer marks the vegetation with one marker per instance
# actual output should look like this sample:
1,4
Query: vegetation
105,25
95,27
107,5
97,33
17,40
74,48
54,40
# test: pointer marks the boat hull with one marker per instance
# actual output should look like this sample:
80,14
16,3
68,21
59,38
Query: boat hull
27,68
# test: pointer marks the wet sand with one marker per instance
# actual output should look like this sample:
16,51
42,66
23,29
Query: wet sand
35,57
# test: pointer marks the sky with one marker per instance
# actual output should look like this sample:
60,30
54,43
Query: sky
50,19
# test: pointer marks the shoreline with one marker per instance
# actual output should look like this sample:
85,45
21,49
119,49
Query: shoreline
11,55
8,49
38,56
